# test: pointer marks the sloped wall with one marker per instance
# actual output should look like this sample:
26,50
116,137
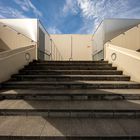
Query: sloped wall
129,39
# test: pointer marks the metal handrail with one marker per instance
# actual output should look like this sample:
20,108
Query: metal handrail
4,25
56,50
44,52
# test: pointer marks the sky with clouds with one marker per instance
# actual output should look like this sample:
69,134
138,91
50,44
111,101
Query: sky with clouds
70,16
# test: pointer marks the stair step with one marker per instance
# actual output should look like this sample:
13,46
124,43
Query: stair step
123,105
71,77
72,72
69,64
70,68
72,85
41,128
103,94
95,109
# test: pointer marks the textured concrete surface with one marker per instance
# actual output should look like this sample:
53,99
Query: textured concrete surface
39,126
80,105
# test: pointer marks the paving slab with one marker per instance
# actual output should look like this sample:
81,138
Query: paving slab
31,126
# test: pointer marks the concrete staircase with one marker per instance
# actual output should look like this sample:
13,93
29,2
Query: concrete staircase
75,100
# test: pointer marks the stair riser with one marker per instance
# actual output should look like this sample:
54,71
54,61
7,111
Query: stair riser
67,62
71,114
67,65
70,137
71,78
70,73
57,86
69,97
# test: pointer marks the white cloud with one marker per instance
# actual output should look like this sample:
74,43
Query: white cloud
94,11
8,12
27,5
70,6
54,30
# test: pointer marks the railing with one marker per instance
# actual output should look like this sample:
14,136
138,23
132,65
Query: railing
15,39
98,56
19,40
129,39
51,51
55,53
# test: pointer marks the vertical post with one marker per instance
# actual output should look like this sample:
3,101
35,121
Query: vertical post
71,50
51,49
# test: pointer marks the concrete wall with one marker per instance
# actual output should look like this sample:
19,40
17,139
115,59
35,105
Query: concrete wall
129,39
13,60
81,46
126,60
3,46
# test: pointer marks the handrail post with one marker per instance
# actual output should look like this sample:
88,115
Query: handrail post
51,48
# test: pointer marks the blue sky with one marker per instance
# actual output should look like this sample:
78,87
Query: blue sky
70,16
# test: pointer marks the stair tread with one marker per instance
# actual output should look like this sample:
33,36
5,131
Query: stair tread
70,105
38,126
65,61
71,91
71,75
73,82
71,70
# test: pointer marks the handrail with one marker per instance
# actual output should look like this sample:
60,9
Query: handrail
112,19
15,51
124,32
97,28
97,52
44,27
57,50
44,52
4,25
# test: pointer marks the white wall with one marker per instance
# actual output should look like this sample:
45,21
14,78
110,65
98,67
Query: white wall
27,27
129,39
12,61
12,39
81,46
126,60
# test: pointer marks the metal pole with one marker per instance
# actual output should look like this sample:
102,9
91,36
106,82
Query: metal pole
51,48
71,50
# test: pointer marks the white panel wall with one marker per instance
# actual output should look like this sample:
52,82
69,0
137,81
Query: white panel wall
98,39
81,46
